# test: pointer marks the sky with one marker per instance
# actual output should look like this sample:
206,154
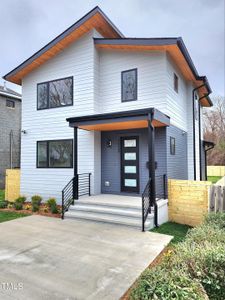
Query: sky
28,25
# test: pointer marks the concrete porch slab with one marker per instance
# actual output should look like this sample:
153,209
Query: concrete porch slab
71,259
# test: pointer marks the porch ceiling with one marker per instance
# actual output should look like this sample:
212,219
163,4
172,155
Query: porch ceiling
120,120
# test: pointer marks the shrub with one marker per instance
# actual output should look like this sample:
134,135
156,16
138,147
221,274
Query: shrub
35,207
36,199
3,204
51,201
45,210
54,209
194,269
18,205
21,199
28,207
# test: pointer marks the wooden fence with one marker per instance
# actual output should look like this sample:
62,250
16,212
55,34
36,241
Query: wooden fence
12,184
216,171
217,198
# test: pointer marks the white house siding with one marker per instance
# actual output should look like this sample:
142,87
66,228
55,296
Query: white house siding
50,124
151,80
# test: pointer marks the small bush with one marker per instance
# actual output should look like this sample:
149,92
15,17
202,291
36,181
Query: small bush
18,206
216,219
36,202
45,210
3,204
54,209
35,207
21,199
50,202
27,207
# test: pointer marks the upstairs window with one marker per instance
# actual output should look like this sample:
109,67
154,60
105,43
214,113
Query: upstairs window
172,146
10,103
56,93
55,154
129,85
175,82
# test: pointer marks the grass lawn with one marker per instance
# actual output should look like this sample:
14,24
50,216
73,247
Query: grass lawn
179,231
213,179
9,215
2,195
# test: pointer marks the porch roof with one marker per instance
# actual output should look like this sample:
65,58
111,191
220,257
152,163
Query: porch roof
120,120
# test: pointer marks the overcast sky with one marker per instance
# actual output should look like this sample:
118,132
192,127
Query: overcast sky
27,25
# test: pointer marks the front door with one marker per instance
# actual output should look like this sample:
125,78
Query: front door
130,164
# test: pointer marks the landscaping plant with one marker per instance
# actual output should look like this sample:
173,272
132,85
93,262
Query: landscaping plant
192,269
3,204
52,205
18,205
36,202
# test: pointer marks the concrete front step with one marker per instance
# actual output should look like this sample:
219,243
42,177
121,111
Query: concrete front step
109,204
127,220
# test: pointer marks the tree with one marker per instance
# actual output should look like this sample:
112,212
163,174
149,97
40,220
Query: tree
214,131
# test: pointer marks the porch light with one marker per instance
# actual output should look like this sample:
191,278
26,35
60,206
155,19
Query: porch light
109,143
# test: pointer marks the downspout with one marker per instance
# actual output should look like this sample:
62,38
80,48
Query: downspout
200,133
193,112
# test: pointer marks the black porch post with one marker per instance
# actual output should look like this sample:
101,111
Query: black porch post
75,165
151,158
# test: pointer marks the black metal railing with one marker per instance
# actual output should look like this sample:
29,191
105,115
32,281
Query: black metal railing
79,185
67,196
161,186
84,181
146,203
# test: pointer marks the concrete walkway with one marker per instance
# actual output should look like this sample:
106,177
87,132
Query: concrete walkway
49,259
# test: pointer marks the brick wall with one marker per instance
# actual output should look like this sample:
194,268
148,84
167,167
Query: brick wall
188,201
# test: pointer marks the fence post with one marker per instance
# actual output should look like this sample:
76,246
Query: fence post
223,199
212,198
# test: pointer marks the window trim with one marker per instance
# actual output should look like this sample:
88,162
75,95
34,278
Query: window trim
175,83
171,152
136,85
47,141
48,82
12,101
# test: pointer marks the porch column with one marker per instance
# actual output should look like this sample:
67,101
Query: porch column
75,165
151,158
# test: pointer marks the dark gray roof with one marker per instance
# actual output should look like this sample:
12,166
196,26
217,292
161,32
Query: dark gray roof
9,92
157,42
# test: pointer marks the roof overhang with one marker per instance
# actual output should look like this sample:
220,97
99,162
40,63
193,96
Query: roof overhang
176,49
9,95
120,120
93,19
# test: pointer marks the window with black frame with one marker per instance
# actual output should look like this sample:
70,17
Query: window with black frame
172,146
55,93
55,154
129,85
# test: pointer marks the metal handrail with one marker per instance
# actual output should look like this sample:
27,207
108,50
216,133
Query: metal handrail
79,185
146,203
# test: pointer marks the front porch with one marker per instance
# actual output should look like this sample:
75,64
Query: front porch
126,144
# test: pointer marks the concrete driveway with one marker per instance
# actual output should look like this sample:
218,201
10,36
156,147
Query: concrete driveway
46,258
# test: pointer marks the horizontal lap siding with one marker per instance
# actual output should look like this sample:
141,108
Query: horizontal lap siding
50,124
177,165
151,76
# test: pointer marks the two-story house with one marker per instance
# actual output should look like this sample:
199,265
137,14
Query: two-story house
125,110
10,127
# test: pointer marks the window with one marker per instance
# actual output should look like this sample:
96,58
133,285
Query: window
56,93
172,145
10,103
129,85
55,154
175,82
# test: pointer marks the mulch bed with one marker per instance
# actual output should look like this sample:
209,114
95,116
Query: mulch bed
41,211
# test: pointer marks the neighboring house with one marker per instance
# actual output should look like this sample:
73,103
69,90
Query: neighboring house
10,127
123,109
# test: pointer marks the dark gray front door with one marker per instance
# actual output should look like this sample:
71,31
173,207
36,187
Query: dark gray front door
130,164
